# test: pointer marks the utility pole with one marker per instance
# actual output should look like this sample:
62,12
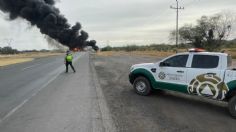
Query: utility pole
177,8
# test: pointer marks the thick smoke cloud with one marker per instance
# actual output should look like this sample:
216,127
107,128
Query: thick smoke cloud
51,2
44,15
92,43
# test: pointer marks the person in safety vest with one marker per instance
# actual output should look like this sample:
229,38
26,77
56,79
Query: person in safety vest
68,61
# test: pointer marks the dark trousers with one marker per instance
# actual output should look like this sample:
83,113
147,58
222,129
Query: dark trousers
69,63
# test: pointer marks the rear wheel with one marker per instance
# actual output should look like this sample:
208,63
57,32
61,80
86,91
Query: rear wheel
232,106
142,86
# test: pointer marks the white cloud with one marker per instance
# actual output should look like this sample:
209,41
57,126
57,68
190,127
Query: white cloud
142,21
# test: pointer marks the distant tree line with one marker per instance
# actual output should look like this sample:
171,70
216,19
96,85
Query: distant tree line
34,50
8,50
157,47
163,47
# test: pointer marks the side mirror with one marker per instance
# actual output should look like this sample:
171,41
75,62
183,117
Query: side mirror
163,64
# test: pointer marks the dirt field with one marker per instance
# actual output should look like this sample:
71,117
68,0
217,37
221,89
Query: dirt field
20,58
154,53
136,53
162,111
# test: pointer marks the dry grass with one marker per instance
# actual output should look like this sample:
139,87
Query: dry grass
232,52
155,53
110,53
152,53
20,58
136,53
36,55
10,61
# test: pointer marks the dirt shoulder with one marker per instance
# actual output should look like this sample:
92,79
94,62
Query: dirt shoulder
6,60
161,111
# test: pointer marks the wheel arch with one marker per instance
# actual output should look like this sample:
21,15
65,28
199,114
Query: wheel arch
144,73
230,94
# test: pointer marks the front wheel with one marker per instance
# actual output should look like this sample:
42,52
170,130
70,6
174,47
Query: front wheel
142,86
232,106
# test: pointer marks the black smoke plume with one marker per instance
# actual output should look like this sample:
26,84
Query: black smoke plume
44,15
92,43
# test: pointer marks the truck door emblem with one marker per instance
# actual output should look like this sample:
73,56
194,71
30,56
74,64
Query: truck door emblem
209,86
162,75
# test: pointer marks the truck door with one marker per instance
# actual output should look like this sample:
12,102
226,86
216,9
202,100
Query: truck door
171,73
205,76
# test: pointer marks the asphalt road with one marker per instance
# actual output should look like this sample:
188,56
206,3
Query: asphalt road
20,81
39,96
162,111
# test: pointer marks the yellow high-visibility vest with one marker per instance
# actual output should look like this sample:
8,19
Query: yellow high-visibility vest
69,58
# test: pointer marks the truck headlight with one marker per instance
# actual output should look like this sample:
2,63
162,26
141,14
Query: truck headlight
131,68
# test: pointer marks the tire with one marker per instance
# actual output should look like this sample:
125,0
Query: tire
142,86
232,106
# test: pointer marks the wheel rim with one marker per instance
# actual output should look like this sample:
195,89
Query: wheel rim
141,86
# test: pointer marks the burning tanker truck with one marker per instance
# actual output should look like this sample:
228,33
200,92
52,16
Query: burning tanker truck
44,15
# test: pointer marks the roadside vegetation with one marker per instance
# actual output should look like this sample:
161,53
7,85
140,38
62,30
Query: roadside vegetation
9,56
8,50
161,50
210,33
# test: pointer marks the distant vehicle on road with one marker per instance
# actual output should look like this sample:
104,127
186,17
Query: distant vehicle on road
197,72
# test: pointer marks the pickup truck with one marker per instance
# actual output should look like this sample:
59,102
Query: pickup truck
207,74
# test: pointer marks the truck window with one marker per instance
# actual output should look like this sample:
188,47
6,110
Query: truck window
229,61
177,61
205,61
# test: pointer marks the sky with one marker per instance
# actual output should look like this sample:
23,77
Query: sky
117,22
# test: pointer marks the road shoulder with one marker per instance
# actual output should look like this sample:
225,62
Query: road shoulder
107,120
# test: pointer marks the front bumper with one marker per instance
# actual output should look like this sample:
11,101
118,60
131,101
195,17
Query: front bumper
131,78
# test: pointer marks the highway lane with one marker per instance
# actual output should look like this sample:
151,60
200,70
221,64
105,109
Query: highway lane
40,97
20,81
71,102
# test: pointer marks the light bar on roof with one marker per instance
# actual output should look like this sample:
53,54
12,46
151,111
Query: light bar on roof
196,50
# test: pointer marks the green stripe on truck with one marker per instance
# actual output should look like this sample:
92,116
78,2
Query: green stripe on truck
231,85
160,85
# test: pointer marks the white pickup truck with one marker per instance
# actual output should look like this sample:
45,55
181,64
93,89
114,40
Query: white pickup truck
207,74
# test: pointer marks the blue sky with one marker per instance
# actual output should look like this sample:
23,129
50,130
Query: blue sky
117,22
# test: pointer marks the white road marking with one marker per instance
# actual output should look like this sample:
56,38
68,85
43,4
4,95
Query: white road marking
11,112
26,100
107,120
30,67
